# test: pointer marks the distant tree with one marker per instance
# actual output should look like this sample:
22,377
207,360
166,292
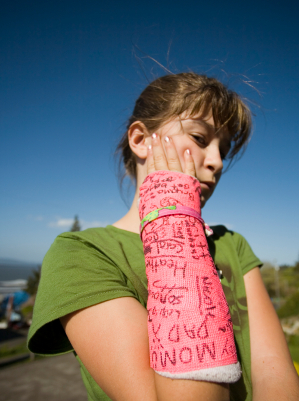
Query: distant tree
76,225
268,275
33,281
284,281
291,306
282,267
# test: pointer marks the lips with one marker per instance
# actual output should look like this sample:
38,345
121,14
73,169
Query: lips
207,185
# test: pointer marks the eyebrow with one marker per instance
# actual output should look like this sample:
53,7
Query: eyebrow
199,121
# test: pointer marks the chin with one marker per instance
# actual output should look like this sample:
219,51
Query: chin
202,202
204,199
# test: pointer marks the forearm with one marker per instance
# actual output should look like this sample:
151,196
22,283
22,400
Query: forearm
111,340
189,390
277,383
272,371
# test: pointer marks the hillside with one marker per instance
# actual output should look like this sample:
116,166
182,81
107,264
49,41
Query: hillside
13,269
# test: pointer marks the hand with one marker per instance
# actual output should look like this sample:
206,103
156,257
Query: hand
167,158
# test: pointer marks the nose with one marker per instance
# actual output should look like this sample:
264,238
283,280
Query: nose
213,159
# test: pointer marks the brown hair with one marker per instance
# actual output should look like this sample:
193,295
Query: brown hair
171,95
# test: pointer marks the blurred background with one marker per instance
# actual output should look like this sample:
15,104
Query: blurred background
70,73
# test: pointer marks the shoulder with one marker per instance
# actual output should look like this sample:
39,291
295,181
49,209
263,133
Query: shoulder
225,235
222,233
232,249
90,244
84,257
80,269
100,237
222,236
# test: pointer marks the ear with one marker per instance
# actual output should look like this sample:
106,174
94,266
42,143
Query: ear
137,137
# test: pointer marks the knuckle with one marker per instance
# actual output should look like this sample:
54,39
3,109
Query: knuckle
173,160
159,159
174,164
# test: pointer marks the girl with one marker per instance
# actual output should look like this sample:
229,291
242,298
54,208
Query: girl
93,290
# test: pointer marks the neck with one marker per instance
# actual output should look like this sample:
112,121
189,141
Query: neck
130,221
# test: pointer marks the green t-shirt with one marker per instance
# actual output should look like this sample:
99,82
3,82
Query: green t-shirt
85,268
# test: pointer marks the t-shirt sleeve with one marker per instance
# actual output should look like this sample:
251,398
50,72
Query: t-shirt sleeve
248,260
75,274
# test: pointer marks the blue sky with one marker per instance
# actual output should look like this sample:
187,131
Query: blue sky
70,73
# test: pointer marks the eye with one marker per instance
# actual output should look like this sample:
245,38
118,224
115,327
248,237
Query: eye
199,139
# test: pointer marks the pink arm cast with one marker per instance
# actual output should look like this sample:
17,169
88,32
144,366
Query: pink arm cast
189,324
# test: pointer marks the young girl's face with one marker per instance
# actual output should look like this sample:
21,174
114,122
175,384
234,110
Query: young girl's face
208,147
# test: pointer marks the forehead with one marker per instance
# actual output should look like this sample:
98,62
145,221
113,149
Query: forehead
204,122
203,115
203,119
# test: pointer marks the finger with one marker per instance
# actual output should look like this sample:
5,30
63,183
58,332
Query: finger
173,160
150,160
189,163
158,153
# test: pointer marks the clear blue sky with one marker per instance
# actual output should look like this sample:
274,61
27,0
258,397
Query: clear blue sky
69,79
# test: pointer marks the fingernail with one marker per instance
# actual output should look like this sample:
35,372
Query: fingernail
149,147
188,152
154,136
166,139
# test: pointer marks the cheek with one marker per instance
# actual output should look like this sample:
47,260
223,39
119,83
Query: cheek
182,142
181,147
